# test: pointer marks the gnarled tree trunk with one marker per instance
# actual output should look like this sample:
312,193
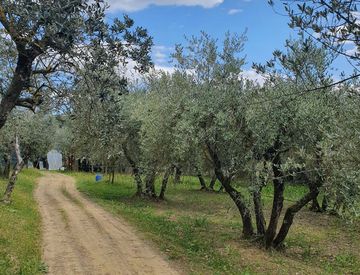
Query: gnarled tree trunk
18,167
112,175
178,172
201,180
289,216
259,213
236,196
315,206
273,155
20,81
239,200
6,172
164,183
278,202
325,203
258,205
135,170
212,182
150,184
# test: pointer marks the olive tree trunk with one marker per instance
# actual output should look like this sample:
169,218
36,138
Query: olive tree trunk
325,203
270,239
18,167
290,214
178,172
201,180
239,200
259,213
315,206
112,175
20,81
312,195
6,172
150,184
135,170
278,202
236,196
273,155
212,182
164,183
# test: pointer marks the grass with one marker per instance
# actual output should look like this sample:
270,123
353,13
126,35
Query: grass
20,248
201,231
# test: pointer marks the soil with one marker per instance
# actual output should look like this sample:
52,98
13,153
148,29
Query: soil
79,237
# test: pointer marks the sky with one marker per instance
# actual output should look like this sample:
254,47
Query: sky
168,21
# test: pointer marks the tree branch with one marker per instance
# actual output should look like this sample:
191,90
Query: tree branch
47,70
28,103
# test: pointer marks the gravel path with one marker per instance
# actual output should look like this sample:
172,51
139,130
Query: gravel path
79,237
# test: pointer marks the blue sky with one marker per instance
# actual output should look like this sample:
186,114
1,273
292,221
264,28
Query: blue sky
169,20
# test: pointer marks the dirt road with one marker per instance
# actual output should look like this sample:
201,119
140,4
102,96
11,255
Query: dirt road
80,237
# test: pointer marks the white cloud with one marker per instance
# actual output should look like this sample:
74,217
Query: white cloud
161,54
356,14
254,76
135,5
134,76
234,11
165,69
160,57
353,51
247,74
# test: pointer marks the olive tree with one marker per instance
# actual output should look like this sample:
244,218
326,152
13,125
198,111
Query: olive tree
340,149
160,112
28,136
103,128
49,40
288,132
333,24
288,124
216,109
97,118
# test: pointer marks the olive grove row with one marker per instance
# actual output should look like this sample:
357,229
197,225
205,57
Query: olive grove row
205,118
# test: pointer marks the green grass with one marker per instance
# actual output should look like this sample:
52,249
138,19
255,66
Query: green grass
20,251
201,231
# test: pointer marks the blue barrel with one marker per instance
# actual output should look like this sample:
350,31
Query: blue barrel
98,177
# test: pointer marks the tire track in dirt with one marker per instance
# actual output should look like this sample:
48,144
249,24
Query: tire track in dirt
79,237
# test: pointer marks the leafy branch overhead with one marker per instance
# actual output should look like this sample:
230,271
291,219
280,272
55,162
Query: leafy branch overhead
46,42
334,25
